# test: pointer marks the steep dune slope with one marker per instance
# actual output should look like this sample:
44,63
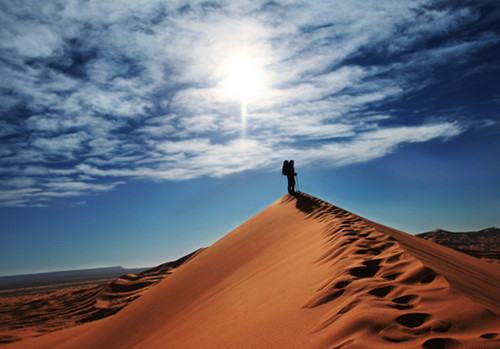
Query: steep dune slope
34,313
306,274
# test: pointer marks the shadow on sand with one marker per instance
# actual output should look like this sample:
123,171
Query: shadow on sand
303,202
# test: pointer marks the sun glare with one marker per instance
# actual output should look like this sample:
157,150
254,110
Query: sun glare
244,78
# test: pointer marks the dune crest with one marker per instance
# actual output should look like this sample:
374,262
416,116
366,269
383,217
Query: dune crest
306,274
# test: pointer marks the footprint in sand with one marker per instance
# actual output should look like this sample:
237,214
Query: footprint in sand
428,277
404,302
394,258
395,333
412,319
381,292
392,276
367,249
342,284
368,270
407,326
329,295
490,335
442,343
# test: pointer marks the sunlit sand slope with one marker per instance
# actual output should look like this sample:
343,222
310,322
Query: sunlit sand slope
306,274
40,310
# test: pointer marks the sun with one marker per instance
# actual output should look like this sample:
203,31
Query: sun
243,78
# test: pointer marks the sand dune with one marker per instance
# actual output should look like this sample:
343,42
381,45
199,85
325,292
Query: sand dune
40,310
306,274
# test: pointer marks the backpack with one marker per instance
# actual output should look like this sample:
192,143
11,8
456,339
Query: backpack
286,168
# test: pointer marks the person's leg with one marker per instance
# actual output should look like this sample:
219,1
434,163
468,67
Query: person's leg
291,184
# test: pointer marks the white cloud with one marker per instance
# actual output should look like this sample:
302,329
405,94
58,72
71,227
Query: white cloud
377,143
197,124
62,145
31,40
64,187
191,146
134,89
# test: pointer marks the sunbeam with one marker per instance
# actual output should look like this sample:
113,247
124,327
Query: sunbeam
243,80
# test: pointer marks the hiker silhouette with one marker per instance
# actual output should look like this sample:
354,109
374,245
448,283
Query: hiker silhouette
289,171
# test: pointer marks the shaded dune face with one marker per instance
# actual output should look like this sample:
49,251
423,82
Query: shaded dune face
306,274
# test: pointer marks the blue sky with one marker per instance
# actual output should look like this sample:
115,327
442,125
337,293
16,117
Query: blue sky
124,140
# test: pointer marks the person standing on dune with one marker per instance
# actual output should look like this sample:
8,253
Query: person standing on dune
289,172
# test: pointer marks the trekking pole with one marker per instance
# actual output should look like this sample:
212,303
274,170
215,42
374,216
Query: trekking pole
298,186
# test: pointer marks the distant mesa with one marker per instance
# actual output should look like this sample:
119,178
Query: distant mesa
484,244
67,276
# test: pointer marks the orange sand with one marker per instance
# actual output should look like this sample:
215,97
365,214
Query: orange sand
31,312
306,274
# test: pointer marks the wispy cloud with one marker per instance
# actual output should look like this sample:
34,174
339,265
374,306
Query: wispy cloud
95,93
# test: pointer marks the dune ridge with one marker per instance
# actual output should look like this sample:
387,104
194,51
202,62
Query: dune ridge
303,273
